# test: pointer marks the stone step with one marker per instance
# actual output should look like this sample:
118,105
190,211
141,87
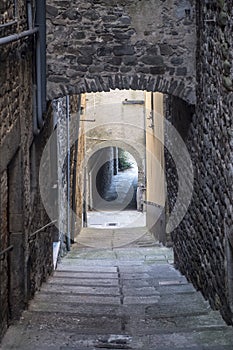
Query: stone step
86,275
89,347
210,321
62,339
175,289
83,281
76,299
70,324
163,310
157,271
158,281
139,291
65,321
166,286
93,267
199,347
181,340
76,289
194,299
143,299
82,309
74,263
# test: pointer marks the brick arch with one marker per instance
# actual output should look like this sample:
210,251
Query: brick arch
99,83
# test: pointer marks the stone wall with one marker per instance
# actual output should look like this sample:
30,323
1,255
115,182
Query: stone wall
66,111
203,241
100,45
3,262
14,98
24,268
179,114
39,258
7,11
12,14
13,77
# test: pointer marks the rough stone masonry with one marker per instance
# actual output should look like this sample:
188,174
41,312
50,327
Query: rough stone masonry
97,45
203,241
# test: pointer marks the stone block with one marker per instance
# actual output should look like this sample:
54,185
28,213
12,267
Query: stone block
123,50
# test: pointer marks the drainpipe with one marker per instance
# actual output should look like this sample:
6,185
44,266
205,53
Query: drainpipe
29,14
68,171
145,141
40,120
84,218
41,23
90,190
15,37
40,65
36,130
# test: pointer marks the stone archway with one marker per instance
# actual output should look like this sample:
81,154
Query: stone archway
94,45
99,83
120,144
98,158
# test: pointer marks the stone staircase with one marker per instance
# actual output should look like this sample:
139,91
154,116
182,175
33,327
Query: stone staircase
122,298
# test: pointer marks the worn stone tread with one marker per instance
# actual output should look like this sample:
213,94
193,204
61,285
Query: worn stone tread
94,268
88,290
85,275
83,281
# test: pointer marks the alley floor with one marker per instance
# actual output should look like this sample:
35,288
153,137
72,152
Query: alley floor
123,218
119,298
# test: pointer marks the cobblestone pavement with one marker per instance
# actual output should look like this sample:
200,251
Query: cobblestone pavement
119,298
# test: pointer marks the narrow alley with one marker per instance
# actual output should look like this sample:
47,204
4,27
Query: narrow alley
123,298
116,153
